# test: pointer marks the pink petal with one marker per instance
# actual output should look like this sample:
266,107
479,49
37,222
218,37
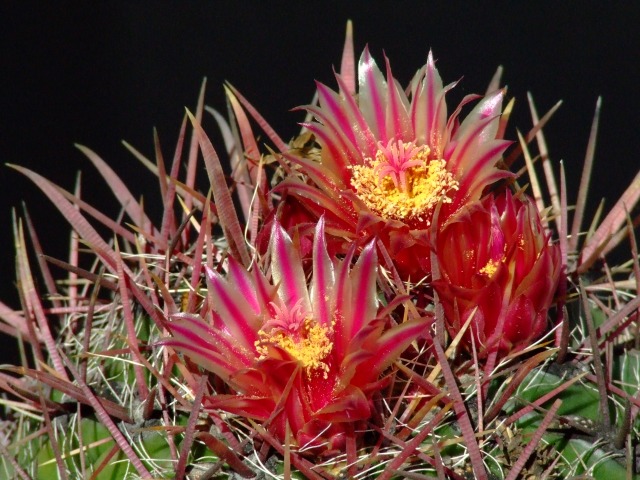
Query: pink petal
194,331
233,307
336,112
397,119
319,173
343,305
323,278
366,140
372,99
488,108
242,281
338,210
392,343
466,143
363,278
428,110
286,269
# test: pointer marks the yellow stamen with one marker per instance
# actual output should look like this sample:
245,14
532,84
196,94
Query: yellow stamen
310,345
406,189
490,268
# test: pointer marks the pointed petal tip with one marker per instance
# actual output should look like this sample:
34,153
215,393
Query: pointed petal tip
320,240
494,84
491,105
210,274
430,61
370,250
365,58
320,226
278,235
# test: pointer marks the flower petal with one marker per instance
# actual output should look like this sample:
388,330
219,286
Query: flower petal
234,307
363,278
372,101
286,270
323,280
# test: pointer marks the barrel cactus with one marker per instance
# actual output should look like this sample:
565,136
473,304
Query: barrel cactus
390,294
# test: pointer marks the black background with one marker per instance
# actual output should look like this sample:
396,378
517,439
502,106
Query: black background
98,73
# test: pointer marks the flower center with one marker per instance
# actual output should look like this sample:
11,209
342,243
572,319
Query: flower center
402,183
299,335
490,268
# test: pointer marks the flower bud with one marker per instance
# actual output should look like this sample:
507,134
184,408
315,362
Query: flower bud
498,265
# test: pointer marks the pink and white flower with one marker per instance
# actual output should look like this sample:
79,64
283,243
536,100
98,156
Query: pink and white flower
291,352
390,158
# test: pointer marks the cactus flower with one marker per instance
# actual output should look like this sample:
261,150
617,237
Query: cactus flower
389,158
304,354
498,265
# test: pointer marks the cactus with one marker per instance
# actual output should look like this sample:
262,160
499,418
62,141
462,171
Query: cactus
276,326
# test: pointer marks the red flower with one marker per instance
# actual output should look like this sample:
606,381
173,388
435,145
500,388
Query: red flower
497,264
389,158
289,352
